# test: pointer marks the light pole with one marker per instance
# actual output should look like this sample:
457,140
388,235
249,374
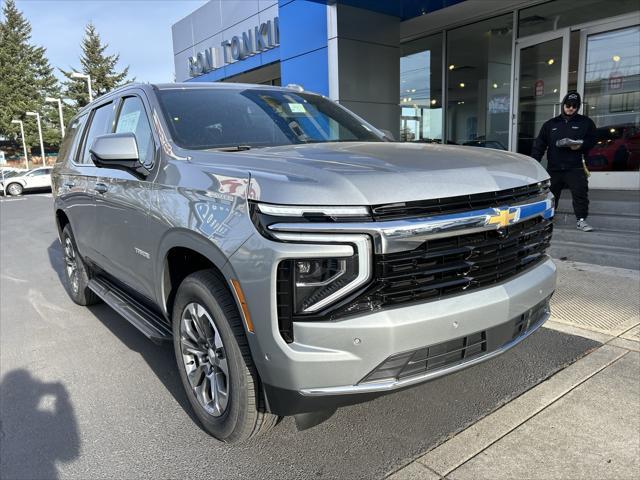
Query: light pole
88,79
37,115
54,100
24,145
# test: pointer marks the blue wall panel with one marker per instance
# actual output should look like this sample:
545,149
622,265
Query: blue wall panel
310,70
303,28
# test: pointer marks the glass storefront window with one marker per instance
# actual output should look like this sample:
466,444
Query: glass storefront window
559,14
421,90
612,99
479,83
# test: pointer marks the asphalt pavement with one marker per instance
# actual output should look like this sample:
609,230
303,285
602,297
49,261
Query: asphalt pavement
84,395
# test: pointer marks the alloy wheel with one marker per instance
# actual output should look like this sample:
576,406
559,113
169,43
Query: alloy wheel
204,359
71,264
14,189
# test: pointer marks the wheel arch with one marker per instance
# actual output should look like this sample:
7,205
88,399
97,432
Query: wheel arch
182,253
62,220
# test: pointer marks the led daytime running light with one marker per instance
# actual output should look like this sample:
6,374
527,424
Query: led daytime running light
300,211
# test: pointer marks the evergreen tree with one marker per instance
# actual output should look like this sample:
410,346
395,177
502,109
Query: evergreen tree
97,64
26,78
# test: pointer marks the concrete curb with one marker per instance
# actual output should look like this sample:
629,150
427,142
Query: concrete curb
458,450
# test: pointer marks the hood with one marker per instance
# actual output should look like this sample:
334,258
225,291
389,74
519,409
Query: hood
370,173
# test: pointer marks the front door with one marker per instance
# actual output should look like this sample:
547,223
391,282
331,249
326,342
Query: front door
541,82
122,207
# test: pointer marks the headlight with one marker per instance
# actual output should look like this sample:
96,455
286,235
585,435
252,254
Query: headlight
316,280
306,288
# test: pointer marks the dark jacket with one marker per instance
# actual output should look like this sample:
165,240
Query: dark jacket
576,127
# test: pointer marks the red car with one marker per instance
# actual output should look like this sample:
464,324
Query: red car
617,149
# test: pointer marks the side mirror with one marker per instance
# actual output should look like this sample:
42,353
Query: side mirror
117,150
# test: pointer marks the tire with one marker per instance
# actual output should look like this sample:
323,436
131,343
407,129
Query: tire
14,189
222,385
75,271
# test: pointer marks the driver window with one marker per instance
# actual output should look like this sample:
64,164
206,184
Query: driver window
133,119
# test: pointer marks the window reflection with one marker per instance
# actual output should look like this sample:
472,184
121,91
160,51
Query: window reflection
421,90
479,82
612,99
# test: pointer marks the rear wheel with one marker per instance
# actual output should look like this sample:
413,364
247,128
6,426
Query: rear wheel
75,271
14,189
214,360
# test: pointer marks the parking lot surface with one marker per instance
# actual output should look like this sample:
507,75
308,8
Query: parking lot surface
85,395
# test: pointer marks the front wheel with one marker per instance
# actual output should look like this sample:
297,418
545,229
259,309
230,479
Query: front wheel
214,360
15,189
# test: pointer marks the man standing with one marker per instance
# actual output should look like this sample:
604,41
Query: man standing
566,139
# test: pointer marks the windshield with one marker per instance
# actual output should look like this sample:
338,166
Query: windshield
222,118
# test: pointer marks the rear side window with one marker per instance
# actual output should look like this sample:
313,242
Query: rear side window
71,139
133,118
101,124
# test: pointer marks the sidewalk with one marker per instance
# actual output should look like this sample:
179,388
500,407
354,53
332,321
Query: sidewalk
584,422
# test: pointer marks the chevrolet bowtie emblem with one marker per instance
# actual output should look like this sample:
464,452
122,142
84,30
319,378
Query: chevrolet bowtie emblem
504,217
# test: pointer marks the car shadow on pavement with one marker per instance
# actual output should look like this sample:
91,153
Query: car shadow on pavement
56,259
160,358
37,426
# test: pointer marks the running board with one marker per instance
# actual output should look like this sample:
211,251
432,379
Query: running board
141,317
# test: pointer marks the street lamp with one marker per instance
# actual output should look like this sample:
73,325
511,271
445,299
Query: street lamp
37,115
24,145
54,100
88,79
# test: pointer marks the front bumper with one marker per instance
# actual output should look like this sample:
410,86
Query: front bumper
328,362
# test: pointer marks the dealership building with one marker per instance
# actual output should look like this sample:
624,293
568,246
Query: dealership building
477,72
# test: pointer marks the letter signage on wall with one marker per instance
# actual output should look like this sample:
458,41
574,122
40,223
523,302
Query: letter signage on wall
248,43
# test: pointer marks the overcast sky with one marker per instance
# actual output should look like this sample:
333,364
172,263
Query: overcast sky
139,30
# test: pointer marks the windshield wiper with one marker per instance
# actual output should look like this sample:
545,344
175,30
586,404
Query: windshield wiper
235,148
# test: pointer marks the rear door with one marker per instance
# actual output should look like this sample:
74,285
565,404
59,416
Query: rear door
122,203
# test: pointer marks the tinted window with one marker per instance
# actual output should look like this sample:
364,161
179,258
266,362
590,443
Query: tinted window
37,173
217,118
101,124
71,139
133,119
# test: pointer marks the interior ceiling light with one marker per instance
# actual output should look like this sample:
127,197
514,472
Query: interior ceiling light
616,58
551,61
433,102
495,85
452,66
461,84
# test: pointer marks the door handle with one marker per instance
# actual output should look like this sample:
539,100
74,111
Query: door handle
101,188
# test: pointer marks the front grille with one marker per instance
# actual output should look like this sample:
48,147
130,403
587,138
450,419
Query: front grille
462,203
458,350
452,265
437,269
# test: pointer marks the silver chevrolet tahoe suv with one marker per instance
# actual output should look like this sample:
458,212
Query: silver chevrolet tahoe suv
297,258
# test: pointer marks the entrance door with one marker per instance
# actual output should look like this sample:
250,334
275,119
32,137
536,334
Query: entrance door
541,82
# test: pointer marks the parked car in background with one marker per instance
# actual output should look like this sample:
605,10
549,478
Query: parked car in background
617,149
36,179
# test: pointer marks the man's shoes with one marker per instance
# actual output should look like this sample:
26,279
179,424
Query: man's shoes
583,225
